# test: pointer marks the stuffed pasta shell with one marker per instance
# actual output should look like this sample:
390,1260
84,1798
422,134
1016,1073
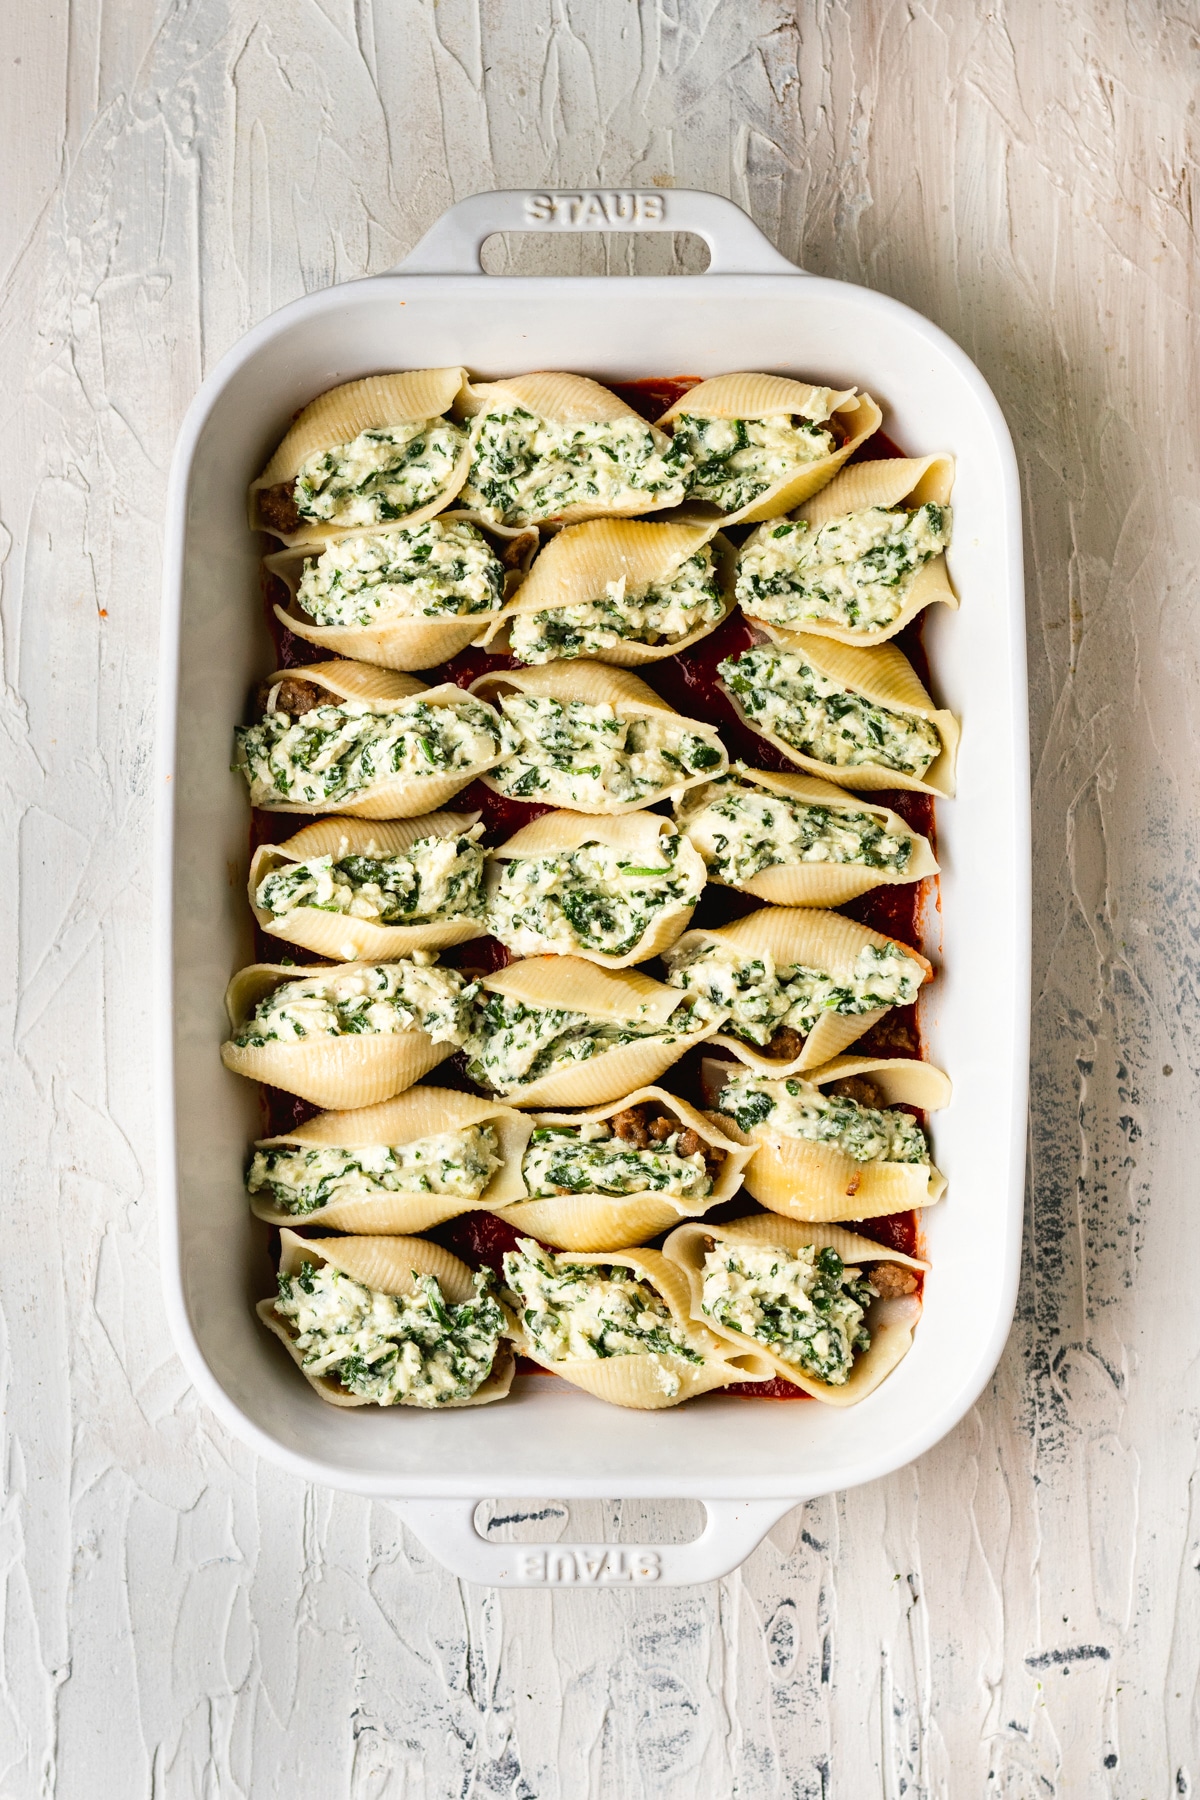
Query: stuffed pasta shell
831,1311
344,737
594,739
858,560
858,717
755,446
374,1321
797,841
837,1145
370,452
346,1034
796,984
362,889
612,890
618,1324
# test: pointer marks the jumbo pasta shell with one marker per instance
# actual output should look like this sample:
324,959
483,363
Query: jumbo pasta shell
643,1382
885,677
400,796
339,416
638,835
813,939
809,884
337,1072
617,996
817,1182
613,1222
890,1321
420,1112
598,684
388,1265
337,934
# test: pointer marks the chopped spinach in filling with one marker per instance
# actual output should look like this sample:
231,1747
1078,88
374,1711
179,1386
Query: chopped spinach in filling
741,829
304,1178
782,694
762,998
805,1304
332,753
652,615
392,1348
733,461
367,999
592,1159
435,878
580,1312
578,754
798,1109
594,898
512,1044
524,468
383,474
854,571
441,569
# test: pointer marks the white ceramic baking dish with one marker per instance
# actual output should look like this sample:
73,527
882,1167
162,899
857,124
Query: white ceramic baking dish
752,310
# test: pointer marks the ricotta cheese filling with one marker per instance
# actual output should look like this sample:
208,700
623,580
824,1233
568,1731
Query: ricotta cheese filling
369,999
435,878
797,1109
762,998
580,1312
782,694
805,1304
333,752
651,615
574,754
304,1178
854,571
441,569
733,461
525,468
511,1044
593,898
392,1347
592,1159
742,829
380,475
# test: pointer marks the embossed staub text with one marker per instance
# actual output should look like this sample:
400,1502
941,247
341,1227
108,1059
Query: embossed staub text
590,1565
595,211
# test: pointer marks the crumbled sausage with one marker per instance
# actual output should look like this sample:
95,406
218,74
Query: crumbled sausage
856,1087
786,1044
689,1142
295,696
630,1125
661,1128
890,1280
278,510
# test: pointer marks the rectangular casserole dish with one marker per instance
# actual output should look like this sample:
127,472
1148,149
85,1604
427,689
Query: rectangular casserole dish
752,310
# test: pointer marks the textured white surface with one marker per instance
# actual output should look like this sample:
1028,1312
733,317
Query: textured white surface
1017,1614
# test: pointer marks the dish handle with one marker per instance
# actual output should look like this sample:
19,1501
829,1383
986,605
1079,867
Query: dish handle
736,246
732,1529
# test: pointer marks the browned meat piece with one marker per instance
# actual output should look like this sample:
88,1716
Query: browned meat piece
856,1087
786,1044
630,1126
890,1280
661,1128
278,510
689,1142
295,696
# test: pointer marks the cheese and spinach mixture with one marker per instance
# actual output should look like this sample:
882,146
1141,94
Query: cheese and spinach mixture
731,462
332,752
512,1044
441,569
657,614
741,829
592,1159
436,878
762,998
805,1304
593,898
854,570
578,754
525,468
383,474
580,1312
797,1109
784,695
303,1178
391,1348
366,999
